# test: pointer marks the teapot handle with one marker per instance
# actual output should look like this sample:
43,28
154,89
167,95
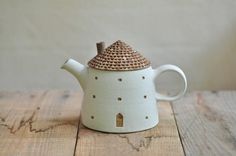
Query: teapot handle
169,67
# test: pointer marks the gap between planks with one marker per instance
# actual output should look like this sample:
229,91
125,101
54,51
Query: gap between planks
38,122
160,140
206,122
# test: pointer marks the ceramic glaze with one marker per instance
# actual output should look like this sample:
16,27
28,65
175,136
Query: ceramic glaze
129,93
120,101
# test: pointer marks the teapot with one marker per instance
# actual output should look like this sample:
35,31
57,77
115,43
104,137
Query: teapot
119,89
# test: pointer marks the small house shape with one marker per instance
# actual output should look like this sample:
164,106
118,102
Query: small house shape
117,97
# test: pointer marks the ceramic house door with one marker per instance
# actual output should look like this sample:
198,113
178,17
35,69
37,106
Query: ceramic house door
119,120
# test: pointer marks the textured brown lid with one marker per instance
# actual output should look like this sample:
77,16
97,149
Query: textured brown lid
119,57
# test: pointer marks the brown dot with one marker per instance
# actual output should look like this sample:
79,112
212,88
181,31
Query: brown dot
65,96
119,98
146,117
32,96
94,96
92,117
96,77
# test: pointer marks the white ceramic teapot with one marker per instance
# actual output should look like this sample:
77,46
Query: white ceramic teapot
119,89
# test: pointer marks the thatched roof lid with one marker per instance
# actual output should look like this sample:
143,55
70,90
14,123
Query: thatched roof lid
119,57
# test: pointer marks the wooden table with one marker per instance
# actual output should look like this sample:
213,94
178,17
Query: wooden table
47,123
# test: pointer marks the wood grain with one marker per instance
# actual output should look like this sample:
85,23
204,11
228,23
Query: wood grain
206,122
161,140
46,123
38,123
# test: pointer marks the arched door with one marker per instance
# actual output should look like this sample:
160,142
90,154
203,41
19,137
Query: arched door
119,120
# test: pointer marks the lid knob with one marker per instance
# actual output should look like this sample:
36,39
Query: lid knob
100,47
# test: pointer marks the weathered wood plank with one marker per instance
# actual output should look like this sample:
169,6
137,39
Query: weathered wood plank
161,140
38,123
207,122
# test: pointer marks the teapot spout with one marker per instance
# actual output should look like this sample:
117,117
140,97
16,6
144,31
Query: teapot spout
76,69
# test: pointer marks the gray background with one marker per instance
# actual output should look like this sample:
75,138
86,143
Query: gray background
36,37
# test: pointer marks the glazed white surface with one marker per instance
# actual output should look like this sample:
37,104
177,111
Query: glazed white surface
129,93
105,106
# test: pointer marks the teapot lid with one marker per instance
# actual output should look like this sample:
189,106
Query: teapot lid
119,57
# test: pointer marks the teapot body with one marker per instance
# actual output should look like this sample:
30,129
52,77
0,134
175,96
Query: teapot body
119,101
119,90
